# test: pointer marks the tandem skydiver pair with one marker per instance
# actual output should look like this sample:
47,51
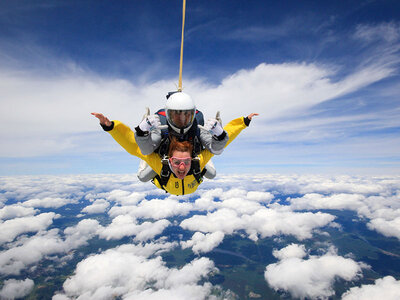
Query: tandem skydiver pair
174,145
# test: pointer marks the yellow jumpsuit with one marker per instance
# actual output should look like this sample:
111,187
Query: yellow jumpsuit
126,138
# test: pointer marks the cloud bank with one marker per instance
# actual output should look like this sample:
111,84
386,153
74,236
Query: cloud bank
140,230
387,288
125,271
13,289
309,278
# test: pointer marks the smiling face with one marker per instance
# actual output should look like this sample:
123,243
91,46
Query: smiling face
180,163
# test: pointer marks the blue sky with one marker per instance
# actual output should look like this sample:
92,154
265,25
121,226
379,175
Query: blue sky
324,77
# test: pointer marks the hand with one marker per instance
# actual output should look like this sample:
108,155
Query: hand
103,120
250,116
150,122
214,127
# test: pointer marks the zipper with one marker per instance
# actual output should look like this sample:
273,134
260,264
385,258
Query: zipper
183,186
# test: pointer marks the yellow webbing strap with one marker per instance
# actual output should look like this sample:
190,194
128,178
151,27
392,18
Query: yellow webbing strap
181,60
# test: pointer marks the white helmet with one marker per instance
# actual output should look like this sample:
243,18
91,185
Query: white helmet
180,111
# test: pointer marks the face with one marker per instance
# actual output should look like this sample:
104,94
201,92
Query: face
180,163
181,118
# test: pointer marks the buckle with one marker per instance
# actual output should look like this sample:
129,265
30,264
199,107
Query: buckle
196,165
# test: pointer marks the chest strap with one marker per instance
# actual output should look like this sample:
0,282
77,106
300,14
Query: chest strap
196,171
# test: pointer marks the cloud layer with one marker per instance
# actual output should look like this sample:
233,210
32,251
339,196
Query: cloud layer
138,228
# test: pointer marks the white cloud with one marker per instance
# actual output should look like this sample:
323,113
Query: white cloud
97,207
309,278
149,230
206,198
48,202
121,272
269,222
336,201
387,32
264,197
181,292
264,222
340,184
386,227
123,225
387,288
240,205
224,220
126,225
79,234
16,211
16,288
148,249
125,197
203,242
374,198
10,229
30,250
293,250
13,260
284,90
154,209
60,297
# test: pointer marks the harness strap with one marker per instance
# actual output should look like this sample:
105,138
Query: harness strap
197,146
197,173
162,150
165,173
158,178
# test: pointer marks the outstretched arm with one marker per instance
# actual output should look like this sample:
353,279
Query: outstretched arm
124,136
233,128
121,133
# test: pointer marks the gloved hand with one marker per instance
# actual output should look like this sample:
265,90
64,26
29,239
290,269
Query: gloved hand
150,122
214,127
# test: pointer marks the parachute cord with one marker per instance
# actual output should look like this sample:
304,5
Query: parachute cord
181,59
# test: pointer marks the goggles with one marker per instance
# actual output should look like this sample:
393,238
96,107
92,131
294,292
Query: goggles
176,162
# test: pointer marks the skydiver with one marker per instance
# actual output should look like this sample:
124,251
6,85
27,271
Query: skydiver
174,174
182,120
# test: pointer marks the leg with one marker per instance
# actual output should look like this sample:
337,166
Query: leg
145,173
211,172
